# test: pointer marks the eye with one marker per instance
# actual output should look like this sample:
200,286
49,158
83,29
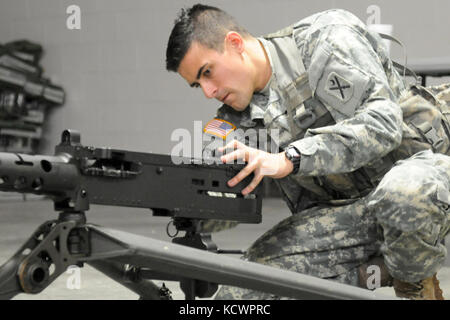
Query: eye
207,73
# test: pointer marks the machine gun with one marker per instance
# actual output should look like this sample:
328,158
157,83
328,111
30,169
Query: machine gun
189,192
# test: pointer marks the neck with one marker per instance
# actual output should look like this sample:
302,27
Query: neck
261,63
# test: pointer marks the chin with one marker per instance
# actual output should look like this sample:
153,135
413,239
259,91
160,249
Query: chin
239,106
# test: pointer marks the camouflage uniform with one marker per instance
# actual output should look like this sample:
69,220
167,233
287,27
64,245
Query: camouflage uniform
334,94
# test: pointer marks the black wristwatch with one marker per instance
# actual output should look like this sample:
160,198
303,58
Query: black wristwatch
293,155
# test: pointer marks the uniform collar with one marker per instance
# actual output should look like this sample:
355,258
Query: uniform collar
260,100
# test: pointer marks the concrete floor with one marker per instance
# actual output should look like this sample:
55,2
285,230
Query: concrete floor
18,219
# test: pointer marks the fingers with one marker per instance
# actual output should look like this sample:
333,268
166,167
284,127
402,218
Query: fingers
242,174
235,144
235,155
251,167
241,151
250,155
256,180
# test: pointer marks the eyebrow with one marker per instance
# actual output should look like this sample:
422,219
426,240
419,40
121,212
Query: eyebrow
199,73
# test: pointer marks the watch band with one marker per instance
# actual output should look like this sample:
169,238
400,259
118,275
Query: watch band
293,155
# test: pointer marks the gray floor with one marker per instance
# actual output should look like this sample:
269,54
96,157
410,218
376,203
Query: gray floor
18,219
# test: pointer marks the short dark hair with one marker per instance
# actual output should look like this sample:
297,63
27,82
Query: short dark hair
205,24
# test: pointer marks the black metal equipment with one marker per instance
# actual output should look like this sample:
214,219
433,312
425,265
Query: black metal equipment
188,192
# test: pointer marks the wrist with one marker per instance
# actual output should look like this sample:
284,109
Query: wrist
285,166
289,166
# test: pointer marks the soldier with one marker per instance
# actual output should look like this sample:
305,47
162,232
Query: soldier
328,86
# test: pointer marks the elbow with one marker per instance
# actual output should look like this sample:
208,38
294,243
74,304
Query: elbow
390,142
387,124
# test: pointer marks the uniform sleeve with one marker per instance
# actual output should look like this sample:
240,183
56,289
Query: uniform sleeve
347,76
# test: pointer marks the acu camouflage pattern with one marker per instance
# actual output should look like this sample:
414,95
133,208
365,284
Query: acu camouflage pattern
425,121
348,204
361,129
412,204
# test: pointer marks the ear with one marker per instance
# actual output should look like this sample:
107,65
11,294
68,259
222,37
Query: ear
234,41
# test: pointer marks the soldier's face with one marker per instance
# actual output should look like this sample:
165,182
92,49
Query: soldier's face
221,75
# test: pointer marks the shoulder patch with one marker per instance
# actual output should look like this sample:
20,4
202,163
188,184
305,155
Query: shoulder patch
219,128
339,87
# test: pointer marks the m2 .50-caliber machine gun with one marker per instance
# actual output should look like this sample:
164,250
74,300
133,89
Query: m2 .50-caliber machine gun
189,193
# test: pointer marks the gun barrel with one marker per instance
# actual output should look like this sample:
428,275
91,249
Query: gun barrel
37,174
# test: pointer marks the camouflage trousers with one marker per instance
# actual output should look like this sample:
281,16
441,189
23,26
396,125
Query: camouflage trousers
405,218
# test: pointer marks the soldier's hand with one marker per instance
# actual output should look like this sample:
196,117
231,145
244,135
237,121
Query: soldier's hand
274,165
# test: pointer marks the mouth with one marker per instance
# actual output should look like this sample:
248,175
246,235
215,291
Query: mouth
224,99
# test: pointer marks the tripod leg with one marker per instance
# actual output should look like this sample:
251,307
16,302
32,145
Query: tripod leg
9,284
42,258
146,289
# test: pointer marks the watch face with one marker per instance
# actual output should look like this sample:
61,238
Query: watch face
289,154
294,156
292,153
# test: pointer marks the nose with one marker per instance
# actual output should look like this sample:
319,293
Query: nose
209,90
